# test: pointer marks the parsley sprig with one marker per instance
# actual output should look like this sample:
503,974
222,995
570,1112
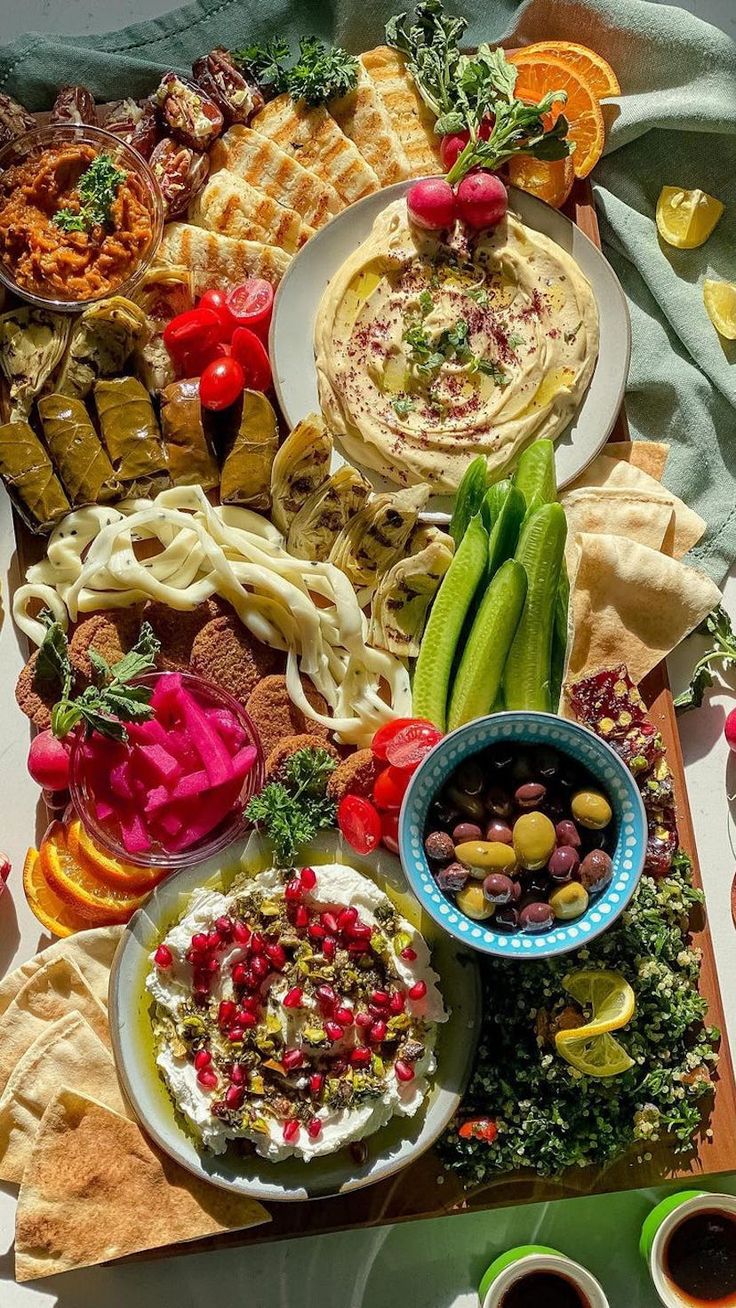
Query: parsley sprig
111,700
723,651
97,188
427,353
318,74
293,809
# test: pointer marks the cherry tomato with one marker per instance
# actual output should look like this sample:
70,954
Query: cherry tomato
217,302
390,787
360,823
390,831
478,1128
251,305
410,745
252,356
190,337
221,383
391,729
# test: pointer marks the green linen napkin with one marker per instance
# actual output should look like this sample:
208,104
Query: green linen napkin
675,124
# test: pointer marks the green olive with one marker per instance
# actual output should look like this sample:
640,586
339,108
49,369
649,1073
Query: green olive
472,902
569,901
591,809
471,806
484,856
534,840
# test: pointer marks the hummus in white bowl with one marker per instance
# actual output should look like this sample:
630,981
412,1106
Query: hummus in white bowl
343,1013
430,352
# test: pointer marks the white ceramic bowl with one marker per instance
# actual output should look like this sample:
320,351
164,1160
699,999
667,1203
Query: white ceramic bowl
518,1263
658,1228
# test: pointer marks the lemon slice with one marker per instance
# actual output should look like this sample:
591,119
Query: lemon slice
609,997
686,219
720,305
598,1055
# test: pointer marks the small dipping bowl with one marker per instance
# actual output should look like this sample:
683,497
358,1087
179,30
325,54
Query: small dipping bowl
517,1264
232,828
658,1228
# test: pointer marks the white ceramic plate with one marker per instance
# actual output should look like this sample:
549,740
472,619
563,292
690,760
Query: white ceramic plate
300,291
390,1149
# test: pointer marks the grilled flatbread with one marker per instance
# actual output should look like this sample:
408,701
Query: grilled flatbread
314,138
56,989
258,160
412,121
92,952
215,260
95,1188
231,206
363,117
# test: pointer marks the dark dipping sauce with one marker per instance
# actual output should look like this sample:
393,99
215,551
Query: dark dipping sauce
544,1290
700,1258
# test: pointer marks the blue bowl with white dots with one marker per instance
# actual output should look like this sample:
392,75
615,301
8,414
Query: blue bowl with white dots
586,749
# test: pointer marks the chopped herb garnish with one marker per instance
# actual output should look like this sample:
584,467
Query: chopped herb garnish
293,809
402,405
320,72
97,188
480,295
426,353
107,705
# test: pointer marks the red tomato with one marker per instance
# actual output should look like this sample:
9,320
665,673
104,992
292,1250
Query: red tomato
391,729
217,302
390,787
192,336
251,354
251,305
360,823
478,1128
221,383
410,745
390,828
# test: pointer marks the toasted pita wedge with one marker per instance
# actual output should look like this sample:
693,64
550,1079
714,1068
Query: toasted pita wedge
55,990
66,1052
412,121
92,952
650,456
618,511
363,117
314,138
258,160
95,1188
231,206
215,260
687,526
630,604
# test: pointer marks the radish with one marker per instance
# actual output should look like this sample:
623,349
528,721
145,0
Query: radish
729,730
431,204
453,145
482,200
48,761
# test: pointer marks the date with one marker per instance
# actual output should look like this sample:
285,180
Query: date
188,113
237,99
180,172
14,119
74,105
136,123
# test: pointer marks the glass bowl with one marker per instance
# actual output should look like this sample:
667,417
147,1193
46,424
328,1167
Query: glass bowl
124,156
233,827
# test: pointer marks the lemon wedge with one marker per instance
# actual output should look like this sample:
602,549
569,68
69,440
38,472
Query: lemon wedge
686,219
607,994
598,1055
720,305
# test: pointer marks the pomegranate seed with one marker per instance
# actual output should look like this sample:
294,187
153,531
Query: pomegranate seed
257,943
251,1004
347,918
316,1081
396,1003
207,1078
301,917
334,1030
293,891
418,990
339,1066
344,1016
224,927
237,1076
360,931
329,946
251,982
376,1012
213,965
241,933
202,1058
377,1032
404,1071
199,942
293,998
409,954
314,1128
291,1129
259,967
226,1012
234,1096
239,974
326,996
292,1058
308,878
163,956
363,1020
329,922
358,946
360,1056
316,931
380,998
214,941
235,1033
246,1020
276,955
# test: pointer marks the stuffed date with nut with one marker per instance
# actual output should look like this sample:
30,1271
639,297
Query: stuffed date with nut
74,106
189,114
180,172
136,123
14,119
236,97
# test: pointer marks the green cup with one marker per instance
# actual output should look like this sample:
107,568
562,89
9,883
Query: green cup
658,1228
516,1263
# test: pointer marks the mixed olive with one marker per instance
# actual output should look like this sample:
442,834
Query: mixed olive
521,834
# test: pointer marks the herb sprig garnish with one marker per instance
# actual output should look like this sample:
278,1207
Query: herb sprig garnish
106,706
426,353
293,809
463,90
319,73
723,651
97,188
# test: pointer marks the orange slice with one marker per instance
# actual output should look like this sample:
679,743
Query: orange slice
596,70
124,876
53,914
71,880
551,182
582,109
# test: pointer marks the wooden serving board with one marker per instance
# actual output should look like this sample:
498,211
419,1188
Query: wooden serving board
425,1189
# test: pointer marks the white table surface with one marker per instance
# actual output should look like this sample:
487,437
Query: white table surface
433,1264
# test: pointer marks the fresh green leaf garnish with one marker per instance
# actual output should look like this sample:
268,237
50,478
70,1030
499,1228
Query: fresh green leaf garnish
427,353
320,73
293,809
402,405
723,651
107,705
53,668
97,188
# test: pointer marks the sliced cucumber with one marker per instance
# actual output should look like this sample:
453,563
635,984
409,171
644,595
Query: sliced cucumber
507,521
468,499
527,675
479,676
559,636
535,475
